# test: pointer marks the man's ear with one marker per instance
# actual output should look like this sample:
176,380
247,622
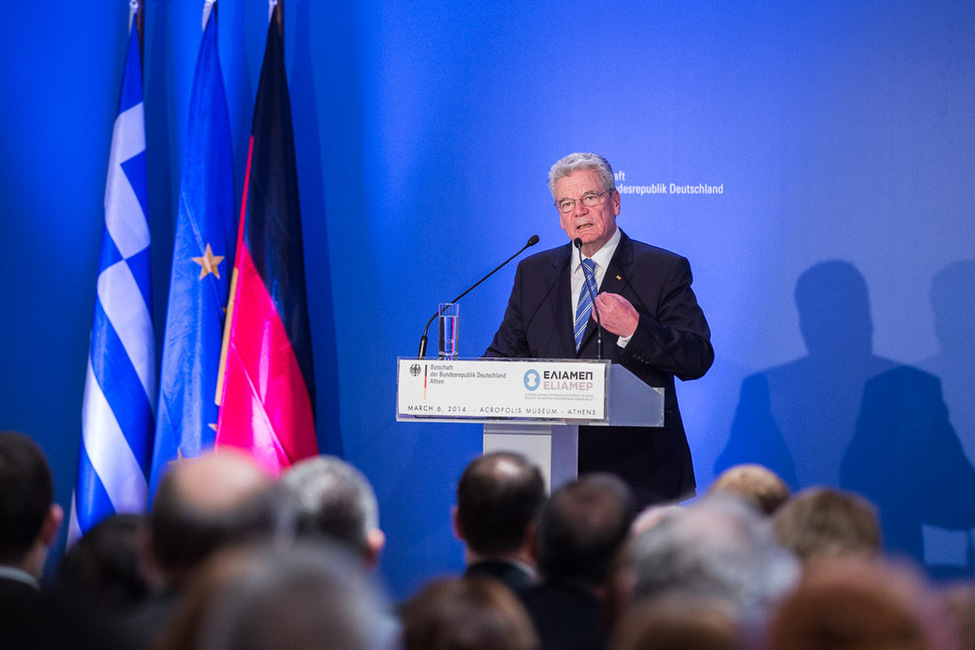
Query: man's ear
458,531
375,543
52,524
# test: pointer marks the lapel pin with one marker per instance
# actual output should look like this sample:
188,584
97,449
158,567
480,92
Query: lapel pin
619,277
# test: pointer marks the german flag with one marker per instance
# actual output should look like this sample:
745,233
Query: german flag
267,393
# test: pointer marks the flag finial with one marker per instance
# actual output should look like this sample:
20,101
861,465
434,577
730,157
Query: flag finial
133,10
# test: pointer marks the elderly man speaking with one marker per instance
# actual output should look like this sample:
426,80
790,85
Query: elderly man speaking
653,325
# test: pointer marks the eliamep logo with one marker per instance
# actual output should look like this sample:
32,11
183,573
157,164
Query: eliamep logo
532,380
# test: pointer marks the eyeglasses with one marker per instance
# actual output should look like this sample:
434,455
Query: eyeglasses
589,200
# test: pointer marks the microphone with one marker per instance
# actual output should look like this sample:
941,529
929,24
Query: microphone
577,242
423,339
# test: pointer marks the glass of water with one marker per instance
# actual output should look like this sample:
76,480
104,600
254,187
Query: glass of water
449,318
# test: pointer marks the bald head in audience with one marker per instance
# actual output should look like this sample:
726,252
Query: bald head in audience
205,503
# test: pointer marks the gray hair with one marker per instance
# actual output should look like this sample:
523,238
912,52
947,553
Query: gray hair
335,498
576,161
717,548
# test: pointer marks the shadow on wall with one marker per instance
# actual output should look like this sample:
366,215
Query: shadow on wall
953,305
843,417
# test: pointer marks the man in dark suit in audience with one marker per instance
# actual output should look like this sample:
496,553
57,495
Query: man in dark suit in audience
498,497
580,531
29,523
651,322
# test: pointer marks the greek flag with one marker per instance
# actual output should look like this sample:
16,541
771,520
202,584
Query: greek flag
117,414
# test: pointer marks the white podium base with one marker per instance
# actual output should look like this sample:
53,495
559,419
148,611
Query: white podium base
553,447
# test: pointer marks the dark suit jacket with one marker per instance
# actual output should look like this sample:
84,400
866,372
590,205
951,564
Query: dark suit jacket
671,340
514,576
25,621
566,617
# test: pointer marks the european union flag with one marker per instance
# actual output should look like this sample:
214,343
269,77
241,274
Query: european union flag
200,283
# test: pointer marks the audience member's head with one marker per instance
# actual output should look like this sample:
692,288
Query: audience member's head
303,597
679,622
651,516
582,527
336,499
204,503
718,548
29,518
855,603
498,497
756,484
958,602
110,563
473,613
818,522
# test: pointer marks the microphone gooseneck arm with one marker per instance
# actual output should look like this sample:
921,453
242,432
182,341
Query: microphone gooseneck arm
423,339
577,242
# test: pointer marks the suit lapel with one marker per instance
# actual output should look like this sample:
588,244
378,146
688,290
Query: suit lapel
618,272
563,313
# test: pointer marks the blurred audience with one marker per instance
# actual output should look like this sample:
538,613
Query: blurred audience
818,522
958,601
232,558
111,563
719,549
498,499
106,580
858,602
470,613
334,498
29,523
678,621
651,516
260,597
220,499
580,531
756,484
205,503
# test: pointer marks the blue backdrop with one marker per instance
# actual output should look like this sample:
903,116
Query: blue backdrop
841,247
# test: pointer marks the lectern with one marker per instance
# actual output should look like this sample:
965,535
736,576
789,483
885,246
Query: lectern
532,406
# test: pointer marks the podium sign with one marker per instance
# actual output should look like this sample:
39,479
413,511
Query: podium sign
488,390
531,406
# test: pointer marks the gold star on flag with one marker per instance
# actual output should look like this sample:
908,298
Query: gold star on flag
209,262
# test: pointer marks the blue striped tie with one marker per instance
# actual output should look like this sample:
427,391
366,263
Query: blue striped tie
585,301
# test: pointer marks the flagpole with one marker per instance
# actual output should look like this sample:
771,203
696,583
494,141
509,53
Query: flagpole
137,14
